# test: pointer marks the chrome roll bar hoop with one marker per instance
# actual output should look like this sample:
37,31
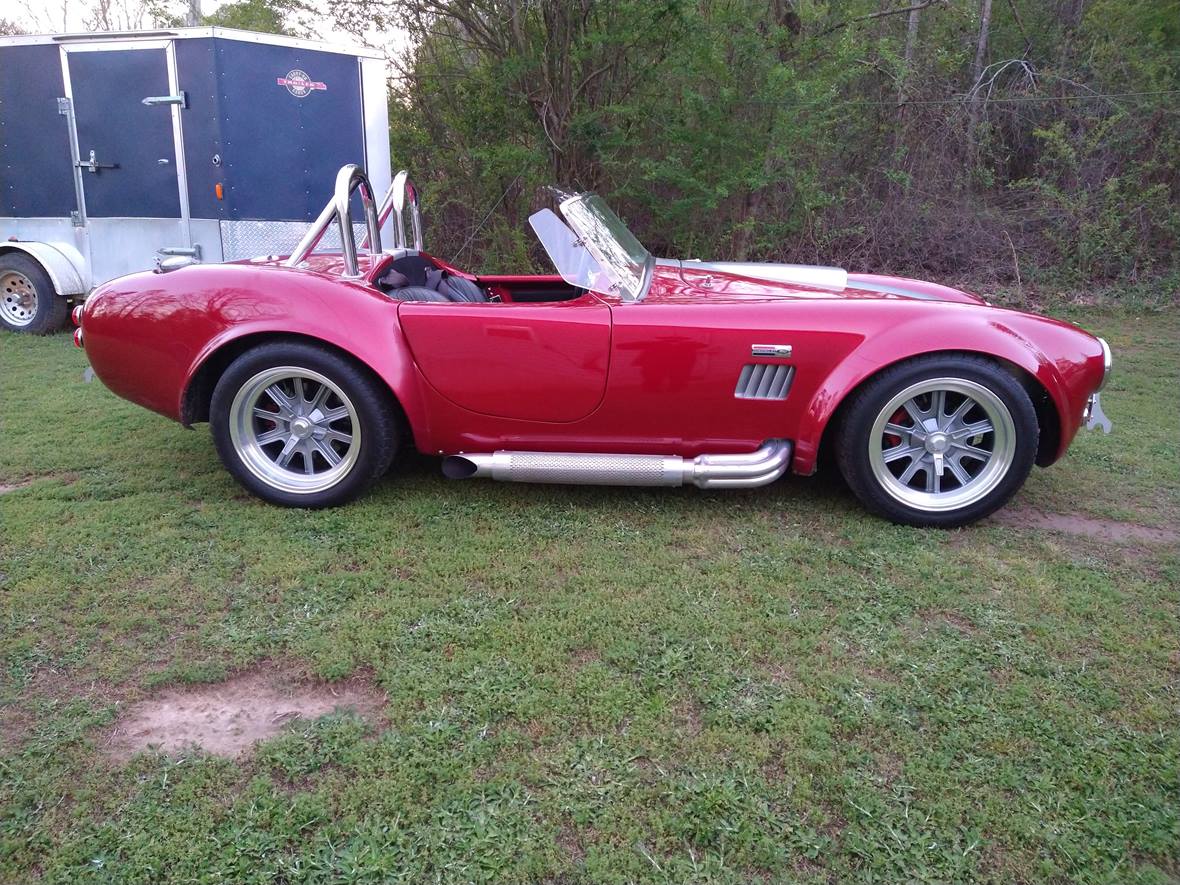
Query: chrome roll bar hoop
401,191
350,178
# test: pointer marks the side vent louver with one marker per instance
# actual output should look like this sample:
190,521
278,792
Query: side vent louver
764,381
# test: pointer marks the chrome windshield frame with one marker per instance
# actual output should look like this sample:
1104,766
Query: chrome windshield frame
349,179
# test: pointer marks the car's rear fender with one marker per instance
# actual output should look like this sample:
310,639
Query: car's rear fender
391,365
1000,335
198,394
162,339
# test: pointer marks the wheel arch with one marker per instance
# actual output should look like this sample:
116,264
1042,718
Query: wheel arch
198,392
62,263
1048,416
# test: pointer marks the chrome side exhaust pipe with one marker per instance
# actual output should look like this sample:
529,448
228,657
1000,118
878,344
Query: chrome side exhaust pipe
757,468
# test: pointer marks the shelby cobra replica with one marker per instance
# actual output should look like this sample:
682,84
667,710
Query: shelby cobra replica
622,369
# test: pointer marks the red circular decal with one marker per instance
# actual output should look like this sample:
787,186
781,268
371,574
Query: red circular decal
299,84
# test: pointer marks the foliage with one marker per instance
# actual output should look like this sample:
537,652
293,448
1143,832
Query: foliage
268,16
289,17
590,684
802,131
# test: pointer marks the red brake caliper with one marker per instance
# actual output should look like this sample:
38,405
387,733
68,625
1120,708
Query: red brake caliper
896,418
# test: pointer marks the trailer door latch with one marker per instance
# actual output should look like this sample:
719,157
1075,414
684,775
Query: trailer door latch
188,251
153,100
92,165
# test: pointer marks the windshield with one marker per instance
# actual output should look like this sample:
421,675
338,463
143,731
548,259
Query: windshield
576,266
601,254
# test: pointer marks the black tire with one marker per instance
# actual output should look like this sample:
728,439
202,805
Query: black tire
48,312
855,441
370,401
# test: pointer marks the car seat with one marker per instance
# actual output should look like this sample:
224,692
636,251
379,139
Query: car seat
414,278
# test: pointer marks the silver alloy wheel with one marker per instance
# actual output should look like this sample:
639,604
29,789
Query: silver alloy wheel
18,298
295,429
942,444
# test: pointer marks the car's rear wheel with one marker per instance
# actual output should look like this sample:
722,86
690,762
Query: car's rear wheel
301,426
938,441
28,302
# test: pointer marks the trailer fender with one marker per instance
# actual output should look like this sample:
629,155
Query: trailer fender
61,261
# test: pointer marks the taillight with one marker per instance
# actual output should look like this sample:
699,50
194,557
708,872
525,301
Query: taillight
78,337
76,315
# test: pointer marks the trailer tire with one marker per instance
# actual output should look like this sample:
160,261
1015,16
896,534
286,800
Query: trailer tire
28,301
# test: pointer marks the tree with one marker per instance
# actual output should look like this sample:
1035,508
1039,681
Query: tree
118,15
268,16
911,40
848,133
985,21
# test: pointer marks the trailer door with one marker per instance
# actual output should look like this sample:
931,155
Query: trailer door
135,204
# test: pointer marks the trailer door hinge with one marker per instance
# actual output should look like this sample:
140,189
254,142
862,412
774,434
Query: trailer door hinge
153,100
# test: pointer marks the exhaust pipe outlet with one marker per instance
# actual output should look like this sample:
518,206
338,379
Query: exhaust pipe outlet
756,468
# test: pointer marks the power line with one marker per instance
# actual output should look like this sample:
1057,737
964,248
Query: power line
936,101
865,102
479,226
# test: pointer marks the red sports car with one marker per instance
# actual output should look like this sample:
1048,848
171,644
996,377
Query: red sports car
621,369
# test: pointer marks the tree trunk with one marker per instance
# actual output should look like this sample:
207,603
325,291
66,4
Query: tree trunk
911,39
985,21
1072,15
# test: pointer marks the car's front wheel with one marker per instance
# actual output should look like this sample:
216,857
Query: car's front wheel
938,441
302,426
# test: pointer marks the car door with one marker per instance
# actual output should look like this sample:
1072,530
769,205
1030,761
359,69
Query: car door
532,362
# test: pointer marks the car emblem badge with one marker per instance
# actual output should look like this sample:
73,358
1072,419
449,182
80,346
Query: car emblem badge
779,350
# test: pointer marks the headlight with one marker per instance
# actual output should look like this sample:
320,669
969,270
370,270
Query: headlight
1107,362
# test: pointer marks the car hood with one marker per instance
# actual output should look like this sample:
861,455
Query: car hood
771,281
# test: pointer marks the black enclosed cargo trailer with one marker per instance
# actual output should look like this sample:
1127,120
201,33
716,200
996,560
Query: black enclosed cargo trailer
117,150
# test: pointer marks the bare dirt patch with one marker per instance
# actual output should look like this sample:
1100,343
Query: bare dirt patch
690,716
957,621
228,718
15,485
583,657
1085,526
570,844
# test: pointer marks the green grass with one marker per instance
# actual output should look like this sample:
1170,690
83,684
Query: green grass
589,685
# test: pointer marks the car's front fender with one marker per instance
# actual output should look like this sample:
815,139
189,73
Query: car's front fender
1064,360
